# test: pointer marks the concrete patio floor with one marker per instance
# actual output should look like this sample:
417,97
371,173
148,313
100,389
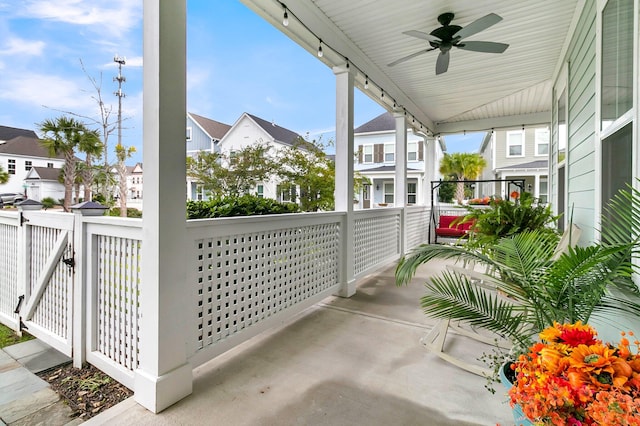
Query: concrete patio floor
355,361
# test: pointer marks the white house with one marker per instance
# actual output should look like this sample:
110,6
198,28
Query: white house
374,145
20,150
44,182
204,134
516,153
134,182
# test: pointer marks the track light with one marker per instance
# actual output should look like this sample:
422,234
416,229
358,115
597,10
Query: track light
320,53
285,17
366,82
381,93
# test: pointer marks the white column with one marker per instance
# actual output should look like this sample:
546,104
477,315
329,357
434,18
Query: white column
344,175
164,375
430,166
400,186
536,186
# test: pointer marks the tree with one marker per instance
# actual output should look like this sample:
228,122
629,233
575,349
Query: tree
62,136
306,166
4,176
462,166
122,154
234,173
91,146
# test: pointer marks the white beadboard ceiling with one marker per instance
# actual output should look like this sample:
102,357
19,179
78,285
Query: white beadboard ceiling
478,92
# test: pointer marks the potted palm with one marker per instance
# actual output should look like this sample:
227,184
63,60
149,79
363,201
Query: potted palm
532,287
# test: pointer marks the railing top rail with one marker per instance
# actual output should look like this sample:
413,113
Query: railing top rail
292,219
113,221
9,214
387,211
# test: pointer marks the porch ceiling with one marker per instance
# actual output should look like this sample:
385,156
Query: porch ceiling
479,91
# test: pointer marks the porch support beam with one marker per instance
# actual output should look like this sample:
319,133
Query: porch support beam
344,176
400,189
164,376
495,123
430,166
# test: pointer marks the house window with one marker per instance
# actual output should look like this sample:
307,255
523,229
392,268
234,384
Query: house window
367,154
617,61
412,151
260,191
515,144
388,192
389,153
50,165
544,190
27,165
12,167
366,192
286,193
233,157
199,192
189,133
542,142
411,193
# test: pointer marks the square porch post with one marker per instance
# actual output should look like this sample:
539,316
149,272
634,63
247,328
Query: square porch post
430,166
164,376
344,176
400,186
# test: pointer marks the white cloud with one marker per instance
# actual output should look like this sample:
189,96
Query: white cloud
18,46
45,90
111,16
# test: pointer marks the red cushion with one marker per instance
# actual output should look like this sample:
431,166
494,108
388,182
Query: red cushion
446,230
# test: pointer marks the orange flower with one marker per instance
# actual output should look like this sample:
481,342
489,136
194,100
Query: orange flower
515,195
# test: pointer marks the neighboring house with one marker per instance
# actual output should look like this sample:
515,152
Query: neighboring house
516,154
203,134
213,136
374,145
20,150
134,182
43,182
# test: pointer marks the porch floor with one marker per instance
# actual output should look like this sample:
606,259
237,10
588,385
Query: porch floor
355,361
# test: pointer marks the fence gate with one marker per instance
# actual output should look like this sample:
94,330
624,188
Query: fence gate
46,311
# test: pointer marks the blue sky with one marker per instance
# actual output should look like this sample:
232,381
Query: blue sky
237,63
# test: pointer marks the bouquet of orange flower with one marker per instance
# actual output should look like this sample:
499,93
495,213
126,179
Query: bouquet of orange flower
572,378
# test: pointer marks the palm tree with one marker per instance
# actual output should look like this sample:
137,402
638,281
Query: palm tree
462,166
4,176
122,154
534,288
62,136
91,145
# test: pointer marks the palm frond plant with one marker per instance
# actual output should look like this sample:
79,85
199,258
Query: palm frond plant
532,289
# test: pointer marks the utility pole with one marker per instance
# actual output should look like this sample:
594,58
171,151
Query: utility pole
120,94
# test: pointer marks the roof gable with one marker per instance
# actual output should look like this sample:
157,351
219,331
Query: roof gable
26,146
8,133
44,173
279,134
215,129
385,122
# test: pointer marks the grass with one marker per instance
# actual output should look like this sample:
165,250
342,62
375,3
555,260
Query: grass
8,337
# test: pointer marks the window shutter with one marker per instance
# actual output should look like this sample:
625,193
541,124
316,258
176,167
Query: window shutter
420,150
360,154
378,153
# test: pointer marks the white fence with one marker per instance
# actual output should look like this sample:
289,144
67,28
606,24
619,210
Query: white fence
243,275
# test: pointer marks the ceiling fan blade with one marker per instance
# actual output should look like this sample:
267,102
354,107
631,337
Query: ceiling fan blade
442,64
406,58
422,35
483,46
478,25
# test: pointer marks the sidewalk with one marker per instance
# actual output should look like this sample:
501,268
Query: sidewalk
26,399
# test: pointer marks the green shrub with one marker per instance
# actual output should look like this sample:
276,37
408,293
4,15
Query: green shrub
246,205
446,191
505,218
48,203
131,212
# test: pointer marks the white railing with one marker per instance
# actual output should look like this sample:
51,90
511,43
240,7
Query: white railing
244,275
9,225
246,271
377,234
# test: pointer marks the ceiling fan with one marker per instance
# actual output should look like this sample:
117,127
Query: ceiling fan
448,36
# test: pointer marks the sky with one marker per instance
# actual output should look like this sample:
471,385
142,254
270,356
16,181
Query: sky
236,62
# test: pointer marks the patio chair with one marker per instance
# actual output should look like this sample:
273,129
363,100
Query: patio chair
434,341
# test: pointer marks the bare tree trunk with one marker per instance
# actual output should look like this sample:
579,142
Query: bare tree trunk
122,187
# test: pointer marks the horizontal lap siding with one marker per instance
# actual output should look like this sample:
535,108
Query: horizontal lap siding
582,106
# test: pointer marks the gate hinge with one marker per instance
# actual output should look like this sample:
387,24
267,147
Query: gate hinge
70,262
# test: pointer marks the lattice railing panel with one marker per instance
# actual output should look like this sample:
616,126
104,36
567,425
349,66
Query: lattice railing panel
52,311
377,238
8,269
417,226
245,278
118,273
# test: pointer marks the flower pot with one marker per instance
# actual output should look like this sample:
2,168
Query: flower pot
518,416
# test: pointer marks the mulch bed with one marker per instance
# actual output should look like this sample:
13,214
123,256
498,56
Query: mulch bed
87,390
